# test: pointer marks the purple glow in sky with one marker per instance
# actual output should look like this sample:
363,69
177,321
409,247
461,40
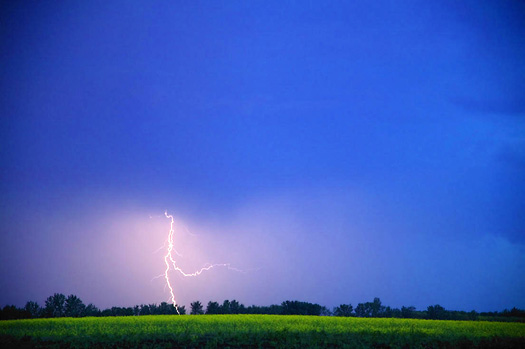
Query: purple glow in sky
338,151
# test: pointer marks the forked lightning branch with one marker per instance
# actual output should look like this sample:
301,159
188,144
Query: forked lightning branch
171,264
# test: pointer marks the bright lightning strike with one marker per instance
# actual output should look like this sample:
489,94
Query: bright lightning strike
170,263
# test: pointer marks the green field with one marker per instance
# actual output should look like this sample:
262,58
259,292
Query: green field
258,330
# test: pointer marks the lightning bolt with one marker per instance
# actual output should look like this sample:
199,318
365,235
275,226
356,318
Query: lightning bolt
170,263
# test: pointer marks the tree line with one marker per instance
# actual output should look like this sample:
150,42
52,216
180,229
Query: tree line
58,305
433,312
234,307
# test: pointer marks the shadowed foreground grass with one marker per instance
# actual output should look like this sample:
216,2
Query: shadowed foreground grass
259,331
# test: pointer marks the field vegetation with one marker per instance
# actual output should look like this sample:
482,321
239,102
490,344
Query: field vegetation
258,331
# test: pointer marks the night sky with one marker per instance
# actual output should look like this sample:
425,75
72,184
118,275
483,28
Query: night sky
334,151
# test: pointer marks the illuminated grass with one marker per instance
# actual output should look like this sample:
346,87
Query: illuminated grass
259,330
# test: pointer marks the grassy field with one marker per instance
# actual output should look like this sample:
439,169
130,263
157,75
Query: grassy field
258,331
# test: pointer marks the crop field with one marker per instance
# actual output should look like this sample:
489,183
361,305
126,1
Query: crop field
258,331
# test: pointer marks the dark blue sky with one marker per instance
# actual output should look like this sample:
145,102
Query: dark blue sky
338,151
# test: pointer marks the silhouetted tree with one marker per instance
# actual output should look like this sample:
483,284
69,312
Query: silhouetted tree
55,305
91,310
136,310
182,310
300,308
167,309
74,306
213,308
363,310
514,312
396,313
325,311
436,312
370,309
235,307
344,310
273,309
33,309
473,315
10,312
387,312
225,307
376,308
117,311
408,312
153,309
196,308
145,310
